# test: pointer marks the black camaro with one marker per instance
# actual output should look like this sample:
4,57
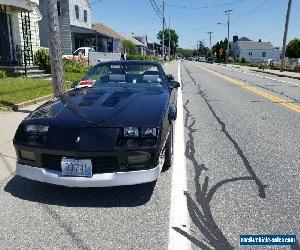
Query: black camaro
115,127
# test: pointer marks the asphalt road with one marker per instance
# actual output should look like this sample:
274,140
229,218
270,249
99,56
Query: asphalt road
243,153
242,165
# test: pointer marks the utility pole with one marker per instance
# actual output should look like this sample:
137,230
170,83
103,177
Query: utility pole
227,12
210,32
287,19
163,39
169,40
55,49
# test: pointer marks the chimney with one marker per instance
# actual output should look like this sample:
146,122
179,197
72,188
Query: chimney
235,38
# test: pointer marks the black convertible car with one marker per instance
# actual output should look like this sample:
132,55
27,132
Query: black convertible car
115,127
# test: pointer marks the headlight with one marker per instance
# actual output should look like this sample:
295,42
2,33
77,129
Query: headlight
43,129
149,132
131,132
31,129
34,129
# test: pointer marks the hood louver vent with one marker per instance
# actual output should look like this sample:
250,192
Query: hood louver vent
90,99
115,98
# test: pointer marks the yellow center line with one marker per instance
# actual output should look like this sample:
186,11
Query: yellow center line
273,98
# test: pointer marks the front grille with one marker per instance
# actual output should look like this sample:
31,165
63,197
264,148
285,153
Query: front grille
101,165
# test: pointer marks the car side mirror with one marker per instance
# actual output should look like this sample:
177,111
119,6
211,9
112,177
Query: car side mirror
170,77
74,84
174,84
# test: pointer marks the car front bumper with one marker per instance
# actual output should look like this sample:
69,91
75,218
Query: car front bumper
97,180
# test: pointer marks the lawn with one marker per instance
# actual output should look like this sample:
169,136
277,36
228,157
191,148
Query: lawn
72,77
14,90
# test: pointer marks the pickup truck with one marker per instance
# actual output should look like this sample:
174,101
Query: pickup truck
91,57
85,51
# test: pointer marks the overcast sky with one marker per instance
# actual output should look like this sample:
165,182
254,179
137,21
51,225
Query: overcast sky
192,19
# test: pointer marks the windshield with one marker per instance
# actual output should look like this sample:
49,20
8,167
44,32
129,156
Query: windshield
131,75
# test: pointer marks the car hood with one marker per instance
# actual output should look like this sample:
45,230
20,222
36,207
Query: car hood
104,107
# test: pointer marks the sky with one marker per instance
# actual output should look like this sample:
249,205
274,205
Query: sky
192,19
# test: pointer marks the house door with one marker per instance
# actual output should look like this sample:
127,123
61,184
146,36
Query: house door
5,46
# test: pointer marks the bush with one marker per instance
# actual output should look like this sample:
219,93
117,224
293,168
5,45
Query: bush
129,47
42,59
296,68
243,60
75,67
142,57
3,73
262,66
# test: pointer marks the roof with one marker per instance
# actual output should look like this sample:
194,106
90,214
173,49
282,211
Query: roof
254,45
77,29
19,5
107,31
132,39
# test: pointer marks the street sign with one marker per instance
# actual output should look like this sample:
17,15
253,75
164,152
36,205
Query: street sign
221,51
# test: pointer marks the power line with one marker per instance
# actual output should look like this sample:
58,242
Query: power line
156,9
206,7
97,1
251,11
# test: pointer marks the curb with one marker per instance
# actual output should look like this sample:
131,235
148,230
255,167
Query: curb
16,107
276,74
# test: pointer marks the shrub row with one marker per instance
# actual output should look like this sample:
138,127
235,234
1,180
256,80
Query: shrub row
142,57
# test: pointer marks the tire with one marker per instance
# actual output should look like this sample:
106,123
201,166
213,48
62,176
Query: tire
169,152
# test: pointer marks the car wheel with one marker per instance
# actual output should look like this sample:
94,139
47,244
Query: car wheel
169,150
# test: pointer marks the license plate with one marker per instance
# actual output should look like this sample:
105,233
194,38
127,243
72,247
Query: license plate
74,167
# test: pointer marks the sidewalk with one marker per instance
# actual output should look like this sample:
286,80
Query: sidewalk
8,125
293,75
288,74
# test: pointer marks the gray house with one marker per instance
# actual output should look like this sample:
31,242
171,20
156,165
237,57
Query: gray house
74,22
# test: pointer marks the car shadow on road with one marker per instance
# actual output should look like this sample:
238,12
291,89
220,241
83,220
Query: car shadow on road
123,196
209,235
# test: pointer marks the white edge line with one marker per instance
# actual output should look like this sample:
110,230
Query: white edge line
178,209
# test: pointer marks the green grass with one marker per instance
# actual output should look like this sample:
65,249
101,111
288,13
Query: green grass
72,77
15,90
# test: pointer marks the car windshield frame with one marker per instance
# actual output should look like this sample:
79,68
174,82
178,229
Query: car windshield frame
121,65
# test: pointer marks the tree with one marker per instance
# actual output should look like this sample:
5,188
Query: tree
216,49
174,39
186,52
129,47
293,48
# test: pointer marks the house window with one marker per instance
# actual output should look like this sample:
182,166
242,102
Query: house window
58,8
263,54
85,16
250,53
77,12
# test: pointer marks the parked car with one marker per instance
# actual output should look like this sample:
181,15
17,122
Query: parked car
80,53
209,60
115,127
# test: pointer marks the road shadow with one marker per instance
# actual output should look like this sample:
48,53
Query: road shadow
123,196
210,235
25,111
9,104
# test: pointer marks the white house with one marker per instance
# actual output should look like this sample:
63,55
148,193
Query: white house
19,31
251,50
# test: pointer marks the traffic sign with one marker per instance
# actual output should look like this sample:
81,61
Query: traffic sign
221,51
